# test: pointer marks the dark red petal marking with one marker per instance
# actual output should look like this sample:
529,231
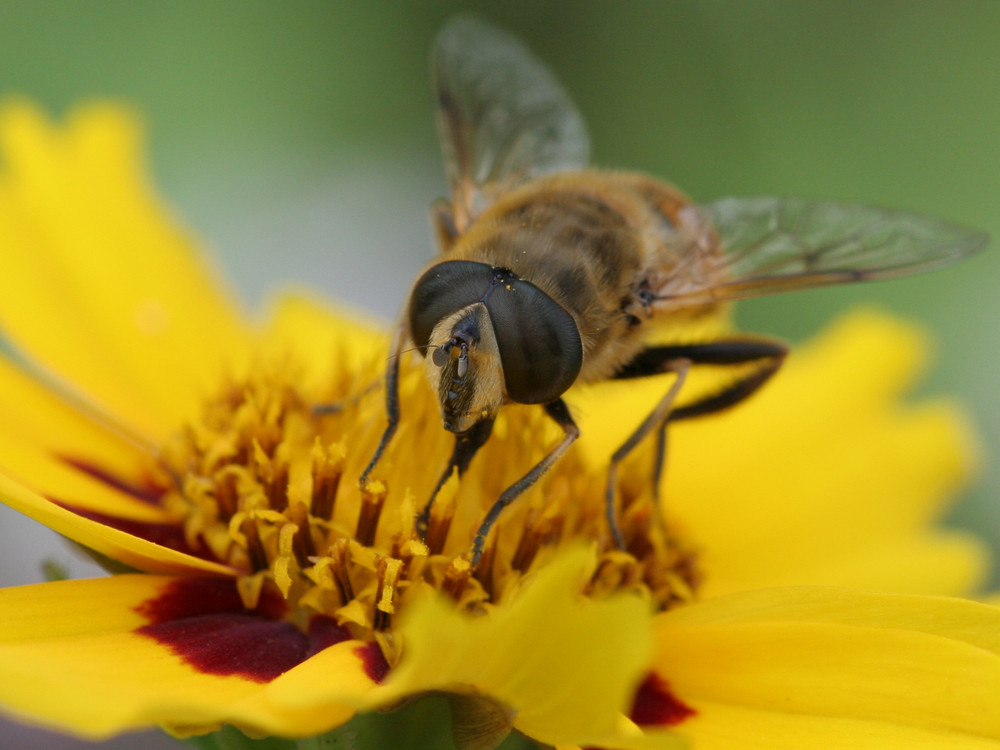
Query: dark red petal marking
191,597
324,632
166,535
148,491
373,661
655,704
203,621
233,645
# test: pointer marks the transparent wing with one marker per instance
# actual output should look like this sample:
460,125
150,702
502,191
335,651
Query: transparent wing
755,246
503,118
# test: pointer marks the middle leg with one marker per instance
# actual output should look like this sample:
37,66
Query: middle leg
679,359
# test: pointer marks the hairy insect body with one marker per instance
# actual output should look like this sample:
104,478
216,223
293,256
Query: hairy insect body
596,243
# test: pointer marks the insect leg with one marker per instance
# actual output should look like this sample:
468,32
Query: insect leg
391,403
559,412
657,419
769,353
661,359
467,444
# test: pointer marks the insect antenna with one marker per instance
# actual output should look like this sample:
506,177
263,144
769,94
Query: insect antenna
422,349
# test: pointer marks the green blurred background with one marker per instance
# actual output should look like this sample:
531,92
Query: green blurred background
297,139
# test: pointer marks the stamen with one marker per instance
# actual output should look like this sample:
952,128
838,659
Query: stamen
456,577
339,554
540,530
442,514
226,496
250,589
484,571
327,468
372,501
251,533
388,575
303,545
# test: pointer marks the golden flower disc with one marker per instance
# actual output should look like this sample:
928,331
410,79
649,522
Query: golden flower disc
268,483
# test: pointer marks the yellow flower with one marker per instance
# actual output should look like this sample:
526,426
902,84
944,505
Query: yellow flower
262,588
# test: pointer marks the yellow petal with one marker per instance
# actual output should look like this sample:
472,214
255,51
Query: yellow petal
816,667
721,727
120,304
934,562
566,668
327,339
70,658
335,676
126,548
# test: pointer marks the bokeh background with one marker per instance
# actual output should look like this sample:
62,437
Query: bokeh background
297,140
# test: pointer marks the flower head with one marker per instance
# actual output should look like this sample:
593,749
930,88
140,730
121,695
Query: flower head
262,587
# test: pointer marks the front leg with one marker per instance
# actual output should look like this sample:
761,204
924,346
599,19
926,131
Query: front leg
560,415
657,360
467,444
391,403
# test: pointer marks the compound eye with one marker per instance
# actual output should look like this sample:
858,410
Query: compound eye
539,343
442,290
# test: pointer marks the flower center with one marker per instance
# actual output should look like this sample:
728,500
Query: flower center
270,486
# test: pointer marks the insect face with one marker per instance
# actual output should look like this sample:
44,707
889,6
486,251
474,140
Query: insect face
464,368
492,338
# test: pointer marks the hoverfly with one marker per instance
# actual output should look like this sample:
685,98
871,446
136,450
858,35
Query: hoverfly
549,272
